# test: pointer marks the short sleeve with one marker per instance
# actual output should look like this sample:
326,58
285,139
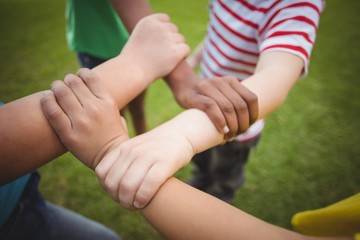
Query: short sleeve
291,26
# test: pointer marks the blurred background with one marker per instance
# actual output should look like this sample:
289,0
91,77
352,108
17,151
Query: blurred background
309,153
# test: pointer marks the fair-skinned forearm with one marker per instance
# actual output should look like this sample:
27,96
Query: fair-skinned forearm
179,211
27,140
274,77
130,12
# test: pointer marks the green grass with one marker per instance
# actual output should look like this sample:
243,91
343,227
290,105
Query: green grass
308,156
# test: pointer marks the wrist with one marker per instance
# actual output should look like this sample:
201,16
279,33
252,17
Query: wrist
135,67
107,148
196,127
182,87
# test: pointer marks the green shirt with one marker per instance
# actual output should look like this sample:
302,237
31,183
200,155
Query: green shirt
93,27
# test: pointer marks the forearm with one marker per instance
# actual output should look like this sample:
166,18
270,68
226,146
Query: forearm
123,78
27,140
179,211
182,77
131,11
196,127
275,75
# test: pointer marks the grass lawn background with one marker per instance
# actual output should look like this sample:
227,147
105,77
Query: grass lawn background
308,156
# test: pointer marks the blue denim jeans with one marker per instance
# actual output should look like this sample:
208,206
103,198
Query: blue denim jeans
89,61
35,218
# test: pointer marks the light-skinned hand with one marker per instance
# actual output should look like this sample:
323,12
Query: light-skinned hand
156,46
134,171
86,120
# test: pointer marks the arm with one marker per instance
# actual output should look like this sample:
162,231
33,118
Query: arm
275,75
134,170
131,171
179,211
131,11
254,98
119,172
224,109
27,140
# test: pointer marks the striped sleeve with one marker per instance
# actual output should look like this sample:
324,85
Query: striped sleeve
291,26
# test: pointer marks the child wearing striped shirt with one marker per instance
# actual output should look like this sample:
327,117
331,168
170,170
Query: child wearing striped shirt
240,36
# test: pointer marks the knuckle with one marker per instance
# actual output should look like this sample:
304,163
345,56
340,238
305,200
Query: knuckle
202,84
214,81
126,186
227,107
61,92
208,104
253,99
110,185
143,197
54,113
242,107
73,81
100,172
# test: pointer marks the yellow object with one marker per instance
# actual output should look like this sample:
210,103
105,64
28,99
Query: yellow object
339,219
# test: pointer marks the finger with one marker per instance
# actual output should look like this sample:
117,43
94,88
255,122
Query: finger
124,123
162,17
227,109
183,50
132,180
213,111
171,27
80,89
250,98
178,38
58,120
240,106
103,167
155,177
115,174
93,82
67,100
102,171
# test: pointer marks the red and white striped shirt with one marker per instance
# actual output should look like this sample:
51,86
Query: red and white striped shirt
240,30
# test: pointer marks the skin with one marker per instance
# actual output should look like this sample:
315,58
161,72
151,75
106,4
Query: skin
131,155
136,106
177,210
34,136
132,177
136,64
79,103
225,111
236,104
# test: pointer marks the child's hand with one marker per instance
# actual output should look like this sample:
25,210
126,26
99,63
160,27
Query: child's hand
230,105
84,116
134,171
156,46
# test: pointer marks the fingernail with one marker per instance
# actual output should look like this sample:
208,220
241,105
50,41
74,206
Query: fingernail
226,129
137,205
47,92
